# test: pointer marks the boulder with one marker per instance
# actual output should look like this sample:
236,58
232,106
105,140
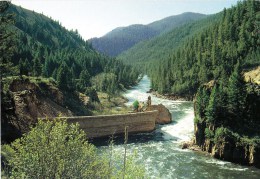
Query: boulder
164,115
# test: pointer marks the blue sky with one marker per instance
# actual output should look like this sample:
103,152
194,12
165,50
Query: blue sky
94,18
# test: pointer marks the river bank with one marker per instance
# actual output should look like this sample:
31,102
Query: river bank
160,151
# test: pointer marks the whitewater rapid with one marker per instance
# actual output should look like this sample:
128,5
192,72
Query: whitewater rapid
160,151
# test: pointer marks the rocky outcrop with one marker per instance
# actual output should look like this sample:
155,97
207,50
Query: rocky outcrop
253,76
164,115
24,101
228,147
223,133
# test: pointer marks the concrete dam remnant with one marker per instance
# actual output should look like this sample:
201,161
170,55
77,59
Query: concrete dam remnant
107,125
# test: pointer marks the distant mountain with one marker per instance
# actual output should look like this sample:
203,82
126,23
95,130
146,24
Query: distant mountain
160,47
169,23
120,39
123,38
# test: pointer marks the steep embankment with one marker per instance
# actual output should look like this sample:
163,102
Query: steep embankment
24,100
123,38
61,65
227,121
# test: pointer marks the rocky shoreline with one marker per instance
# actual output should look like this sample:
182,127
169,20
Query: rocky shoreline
247,156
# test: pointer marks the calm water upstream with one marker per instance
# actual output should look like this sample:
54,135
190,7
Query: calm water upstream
160,151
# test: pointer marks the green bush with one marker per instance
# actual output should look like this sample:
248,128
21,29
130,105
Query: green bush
135,104
219,134
92,93
209,134
54,149
197,120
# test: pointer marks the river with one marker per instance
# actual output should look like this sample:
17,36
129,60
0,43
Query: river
160,150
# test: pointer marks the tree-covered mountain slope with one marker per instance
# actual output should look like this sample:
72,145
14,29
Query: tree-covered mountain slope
212,52
227,118
162,46
47,70
42,47
123,38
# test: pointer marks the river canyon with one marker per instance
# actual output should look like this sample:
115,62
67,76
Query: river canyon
160,151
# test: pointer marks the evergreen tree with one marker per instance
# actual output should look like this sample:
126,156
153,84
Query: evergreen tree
27,67
47,68
199,102
7,45
62,76
235,91
37,67
212,106
205,99
70,80
84,80
54,74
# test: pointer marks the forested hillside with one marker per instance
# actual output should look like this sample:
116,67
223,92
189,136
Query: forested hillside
48,71
227,118
162,46
123,38
42,47
211,63
212,52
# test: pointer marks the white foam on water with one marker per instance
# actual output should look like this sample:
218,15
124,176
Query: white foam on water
182,130
235,169
218,162
156,155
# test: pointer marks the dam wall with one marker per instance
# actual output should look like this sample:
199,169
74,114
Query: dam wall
107,125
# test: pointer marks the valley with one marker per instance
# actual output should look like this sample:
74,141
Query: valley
203,67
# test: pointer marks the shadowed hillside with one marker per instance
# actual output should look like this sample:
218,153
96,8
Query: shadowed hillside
123,38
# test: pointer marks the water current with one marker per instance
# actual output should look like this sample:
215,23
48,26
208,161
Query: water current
160,151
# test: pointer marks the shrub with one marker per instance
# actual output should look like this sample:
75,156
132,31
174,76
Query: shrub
92,93
135,104
55,149
209,134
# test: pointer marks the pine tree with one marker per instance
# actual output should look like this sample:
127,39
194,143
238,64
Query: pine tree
37,67
47,68
7,45
84,80
70,80
205,100
27,66
62,76
236,92
212,106
54,74
198,103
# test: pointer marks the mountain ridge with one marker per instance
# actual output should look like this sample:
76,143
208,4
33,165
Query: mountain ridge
122,38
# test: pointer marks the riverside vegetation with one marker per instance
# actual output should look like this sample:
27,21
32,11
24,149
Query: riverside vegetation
45,65
47,70
216,49
54,149
227,119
